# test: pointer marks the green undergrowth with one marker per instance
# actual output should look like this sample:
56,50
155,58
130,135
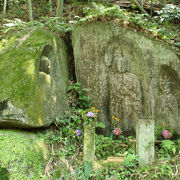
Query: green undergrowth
67,151
70,151
23,154
157,27
20,54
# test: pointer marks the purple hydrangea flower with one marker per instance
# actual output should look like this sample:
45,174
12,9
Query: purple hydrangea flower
166,134
90,114
117,131
78,132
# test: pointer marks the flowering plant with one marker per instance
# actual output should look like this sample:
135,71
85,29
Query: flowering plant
90,117
116,129
163,132
166,134
78,132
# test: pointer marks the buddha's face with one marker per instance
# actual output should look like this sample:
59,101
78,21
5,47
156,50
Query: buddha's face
122,64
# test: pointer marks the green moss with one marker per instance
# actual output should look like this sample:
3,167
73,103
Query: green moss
18,71
23,154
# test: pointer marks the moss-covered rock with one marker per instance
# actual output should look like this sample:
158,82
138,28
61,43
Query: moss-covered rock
23,154
33,78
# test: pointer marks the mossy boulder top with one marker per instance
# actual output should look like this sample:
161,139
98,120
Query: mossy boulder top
23,154
129,75
33,78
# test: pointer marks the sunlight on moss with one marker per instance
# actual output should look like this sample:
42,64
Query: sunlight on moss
30,69
24,154
55,44
20,71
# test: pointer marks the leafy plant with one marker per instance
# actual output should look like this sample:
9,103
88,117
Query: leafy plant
168,147
4,174
105,147
131,161
170,13
70,122
158,132
77,96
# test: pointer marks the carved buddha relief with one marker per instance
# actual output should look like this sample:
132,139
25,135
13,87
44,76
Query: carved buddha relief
125,93
168,102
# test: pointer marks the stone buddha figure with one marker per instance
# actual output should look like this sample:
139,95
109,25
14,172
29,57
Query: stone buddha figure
125,93
169,106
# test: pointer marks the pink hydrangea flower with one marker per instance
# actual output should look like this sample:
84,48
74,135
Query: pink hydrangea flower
166,134
117,131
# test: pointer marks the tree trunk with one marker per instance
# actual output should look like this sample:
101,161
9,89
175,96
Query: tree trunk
17,7
164,2
50,7
59,11
151,8
141,8
30,10
4,7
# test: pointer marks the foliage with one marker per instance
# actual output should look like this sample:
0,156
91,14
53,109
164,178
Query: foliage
77,96
70,122
49,23
168,147
102,10
105,147
4,174
158,132
131,161
106,12
170,13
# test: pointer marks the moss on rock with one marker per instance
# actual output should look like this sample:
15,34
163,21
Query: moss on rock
23,154
33,97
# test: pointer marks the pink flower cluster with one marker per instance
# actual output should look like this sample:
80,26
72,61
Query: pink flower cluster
166,134
117,131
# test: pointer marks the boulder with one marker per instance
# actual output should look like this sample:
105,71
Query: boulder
33,79
129,75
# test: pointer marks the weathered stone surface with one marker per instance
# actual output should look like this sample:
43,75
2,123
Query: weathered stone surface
23,154
33,79
89,144
89,149
145,141
124,71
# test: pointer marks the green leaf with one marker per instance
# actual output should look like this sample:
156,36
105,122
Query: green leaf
177,44
101,125
4,174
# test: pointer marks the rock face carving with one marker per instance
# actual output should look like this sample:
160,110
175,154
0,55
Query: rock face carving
125,94
168,111
33,91
45,65
121,69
